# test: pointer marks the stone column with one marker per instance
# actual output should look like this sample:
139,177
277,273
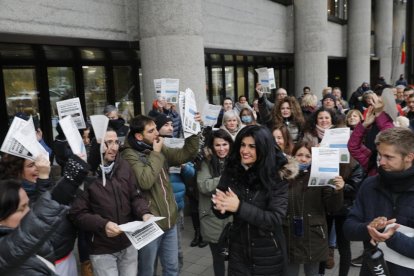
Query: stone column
398,31
171,45
311,49
359,43
383,36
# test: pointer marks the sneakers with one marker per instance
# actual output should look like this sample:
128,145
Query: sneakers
357,261
330,262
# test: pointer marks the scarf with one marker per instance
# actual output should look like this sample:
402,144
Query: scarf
321,131
397,182
29,187
138,145
107,169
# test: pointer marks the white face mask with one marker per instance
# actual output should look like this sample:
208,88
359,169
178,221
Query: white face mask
107,169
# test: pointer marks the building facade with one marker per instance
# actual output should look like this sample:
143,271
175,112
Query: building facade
107,51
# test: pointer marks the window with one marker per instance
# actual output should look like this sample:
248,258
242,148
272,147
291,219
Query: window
33,77
61,81
124,86
21,91
223,68
337,10
95,89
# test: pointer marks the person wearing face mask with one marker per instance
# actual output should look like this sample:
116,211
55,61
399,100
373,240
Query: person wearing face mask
208,176
116,122
305,225
247,117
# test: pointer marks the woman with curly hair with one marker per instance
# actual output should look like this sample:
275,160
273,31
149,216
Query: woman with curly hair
321,120
286,111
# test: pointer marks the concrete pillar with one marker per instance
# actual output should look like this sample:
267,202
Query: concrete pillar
398,31
383,36
359,43
311,48
171,45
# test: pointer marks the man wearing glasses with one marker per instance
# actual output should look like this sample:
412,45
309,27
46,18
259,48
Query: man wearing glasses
100,208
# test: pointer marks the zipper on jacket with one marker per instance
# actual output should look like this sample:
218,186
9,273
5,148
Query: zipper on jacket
116,202
323,232
165,198
249,243
274,241
309,241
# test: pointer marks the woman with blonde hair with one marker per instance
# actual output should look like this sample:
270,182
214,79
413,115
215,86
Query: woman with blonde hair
232,123
308,105
353,117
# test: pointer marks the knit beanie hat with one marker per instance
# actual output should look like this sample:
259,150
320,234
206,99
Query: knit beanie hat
161,120
330,96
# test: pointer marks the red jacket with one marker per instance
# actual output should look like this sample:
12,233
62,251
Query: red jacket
358,150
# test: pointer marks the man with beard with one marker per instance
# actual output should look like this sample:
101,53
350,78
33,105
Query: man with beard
387,198
150,160
100,209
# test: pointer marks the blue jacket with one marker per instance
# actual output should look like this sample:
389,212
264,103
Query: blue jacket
177,182
374,200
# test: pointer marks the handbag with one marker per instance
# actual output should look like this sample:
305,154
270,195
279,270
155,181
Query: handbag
374,258
224,241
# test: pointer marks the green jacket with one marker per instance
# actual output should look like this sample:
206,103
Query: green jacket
211,226
151,171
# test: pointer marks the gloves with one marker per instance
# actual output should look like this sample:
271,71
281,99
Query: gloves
75,169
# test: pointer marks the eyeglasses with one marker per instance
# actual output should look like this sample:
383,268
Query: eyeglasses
111,143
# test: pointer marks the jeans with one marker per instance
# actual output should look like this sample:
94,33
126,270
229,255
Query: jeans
167,248
180,227
311,269
122,263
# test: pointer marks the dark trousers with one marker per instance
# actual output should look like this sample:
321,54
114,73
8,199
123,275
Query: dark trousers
218,260
344,245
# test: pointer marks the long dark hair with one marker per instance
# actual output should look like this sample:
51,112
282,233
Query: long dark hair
215,162
9,197
269,157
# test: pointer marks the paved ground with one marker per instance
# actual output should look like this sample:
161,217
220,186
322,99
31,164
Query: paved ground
198,261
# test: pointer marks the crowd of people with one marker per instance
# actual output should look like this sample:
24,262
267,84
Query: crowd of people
245,179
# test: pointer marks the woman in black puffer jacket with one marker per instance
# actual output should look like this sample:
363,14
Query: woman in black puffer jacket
28,240
252,191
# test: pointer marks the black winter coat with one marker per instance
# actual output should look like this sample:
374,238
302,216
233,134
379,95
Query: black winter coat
18,247
311,204
257,243
62,241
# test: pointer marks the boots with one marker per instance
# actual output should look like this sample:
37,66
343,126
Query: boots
198,239
330,262
86,268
